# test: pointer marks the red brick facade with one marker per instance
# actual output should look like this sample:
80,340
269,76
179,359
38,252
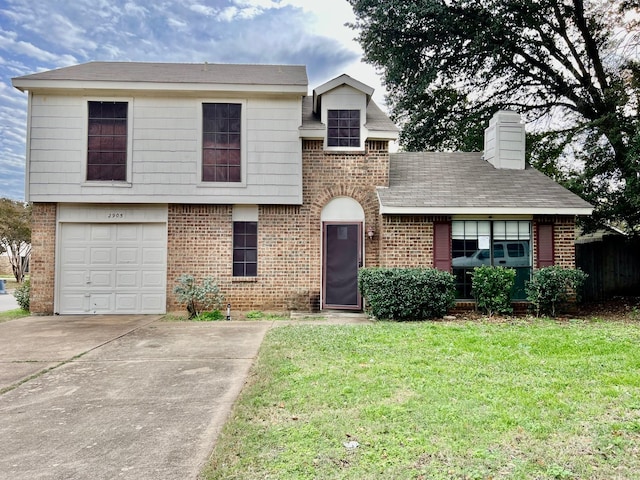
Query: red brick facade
42,263
200,237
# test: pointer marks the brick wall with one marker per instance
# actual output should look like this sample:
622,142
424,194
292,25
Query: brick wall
43,247
407,241
564,235
289,237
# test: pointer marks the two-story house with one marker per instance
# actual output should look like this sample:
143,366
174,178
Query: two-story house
141,172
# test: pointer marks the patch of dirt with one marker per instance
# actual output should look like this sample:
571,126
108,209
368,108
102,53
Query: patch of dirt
625,309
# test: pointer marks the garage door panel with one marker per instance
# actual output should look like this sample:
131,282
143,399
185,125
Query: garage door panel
101,303
75,231
101,256
128,232
74,278
126,255
112,268
126,302
153,256
154,232
74,303
127,278
102,232
75,256
150,303
152,279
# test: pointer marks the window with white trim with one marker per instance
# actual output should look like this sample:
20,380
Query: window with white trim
221,142
107,141
505,243
343,128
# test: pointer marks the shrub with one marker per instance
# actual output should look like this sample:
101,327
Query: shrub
212,316
491,287
22,295
550,288
198,297
407,293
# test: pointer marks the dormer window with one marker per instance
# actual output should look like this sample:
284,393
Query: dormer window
343,128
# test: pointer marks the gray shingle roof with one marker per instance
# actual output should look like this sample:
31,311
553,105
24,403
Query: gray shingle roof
449,183
377,120
294,75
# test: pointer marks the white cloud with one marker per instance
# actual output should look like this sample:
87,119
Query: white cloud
203,10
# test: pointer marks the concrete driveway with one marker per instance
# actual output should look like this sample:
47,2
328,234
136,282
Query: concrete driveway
106,397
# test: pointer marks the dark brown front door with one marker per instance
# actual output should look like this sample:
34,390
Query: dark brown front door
342,258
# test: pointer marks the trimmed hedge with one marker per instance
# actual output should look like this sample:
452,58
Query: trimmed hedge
407,293
551,289
491,287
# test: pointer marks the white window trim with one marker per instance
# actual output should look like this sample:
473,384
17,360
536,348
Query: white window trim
363,132
85,132
243,144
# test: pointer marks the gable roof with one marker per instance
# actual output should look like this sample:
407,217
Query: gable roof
332,84
463,183
136,74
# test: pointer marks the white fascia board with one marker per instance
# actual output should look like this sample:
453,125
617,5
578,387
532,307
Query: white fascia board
312,132
344,80
36,85
382,135
390,210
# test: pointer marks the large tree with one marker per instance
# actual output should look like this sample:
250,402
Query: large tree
569,66
15,235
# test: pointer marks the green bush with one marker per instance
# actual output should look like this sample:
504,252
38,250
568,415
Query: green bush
198,297
22,295
407,293
491,287
212,316
550,288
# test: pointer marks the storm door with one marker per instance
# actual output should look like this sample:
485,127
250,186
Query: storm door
342,258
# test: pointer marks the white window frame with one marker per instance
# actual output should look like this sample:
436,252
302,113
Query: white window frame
85,148
243,143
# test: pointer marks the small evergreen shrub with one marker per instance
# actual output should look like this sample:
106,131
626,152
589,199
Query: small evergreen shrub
198,297
22,294
212,316
551,287
491,287
407,293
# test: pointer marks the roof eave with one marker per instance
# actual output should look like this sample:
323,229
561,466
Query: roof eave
394,210
71,85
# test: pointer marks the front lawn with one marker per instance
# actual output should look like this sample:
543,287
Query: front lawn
528,399
13,314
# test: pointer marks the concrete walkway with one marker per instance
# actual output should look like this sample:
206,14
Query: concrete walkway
8,302
107,397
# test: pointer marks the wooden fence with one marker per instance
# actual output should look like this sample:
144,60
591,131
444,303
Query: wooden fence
613,266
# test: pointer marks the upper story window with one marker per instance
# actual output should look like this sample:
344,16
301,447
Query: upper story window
221,143
107,141
343,128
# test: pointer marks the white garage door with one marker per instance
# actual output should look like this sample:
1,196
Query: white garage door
112,268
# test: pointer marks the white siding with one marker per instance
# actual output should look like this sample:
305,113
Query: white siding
165,156
345,98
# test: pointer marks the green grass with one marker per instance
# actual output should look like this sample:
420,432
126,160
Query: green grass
13,314
523,400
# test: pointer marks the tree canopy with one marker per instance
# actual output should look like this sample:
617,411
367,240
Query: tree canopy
570,67
15,235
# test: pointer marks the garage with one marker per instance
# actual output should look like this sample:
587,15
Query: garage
111,268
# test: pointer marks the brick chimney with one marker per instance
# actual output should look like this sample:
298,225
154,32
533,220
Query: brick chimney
504,141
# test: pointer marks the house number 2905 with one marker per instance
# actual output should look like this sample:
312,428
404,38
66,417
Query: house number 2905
115,215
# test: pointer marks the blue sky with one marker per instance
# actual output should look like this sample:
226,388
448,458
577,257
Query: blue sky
37,35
